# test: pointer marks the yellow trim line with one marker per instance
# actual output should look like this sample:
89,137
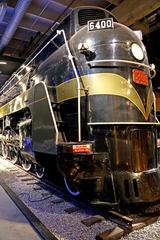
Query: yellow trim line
106,83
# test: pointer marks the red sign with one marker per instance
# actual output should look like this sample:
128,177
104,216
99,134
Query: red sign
140,77
85,148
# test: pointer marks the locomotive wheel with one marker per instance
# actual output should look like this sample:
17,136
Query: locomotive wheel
26,164
39,170
71,188
5,150
14,155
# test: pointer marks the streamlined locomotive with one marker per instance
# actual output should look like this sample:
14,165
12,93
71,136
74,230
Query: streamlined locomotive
85,99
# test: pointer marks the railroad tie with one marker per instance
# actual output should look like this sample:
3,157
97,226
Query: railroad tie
92,220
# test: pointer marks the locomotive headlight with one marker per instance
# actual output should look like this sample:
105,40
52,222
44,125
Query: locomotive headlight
85,49
137,51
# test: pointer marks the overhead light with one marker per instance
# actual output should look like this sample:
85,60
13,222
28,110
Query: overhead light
2,62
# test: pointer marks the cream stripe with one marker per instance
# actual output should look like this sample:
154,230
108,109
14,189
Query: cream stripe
105,83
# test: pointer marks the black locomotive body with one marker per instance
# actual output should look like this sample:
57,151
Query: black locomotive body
90,105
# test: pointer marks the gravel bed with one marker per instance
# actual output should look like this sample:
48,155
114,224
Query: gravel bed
150,232
63,225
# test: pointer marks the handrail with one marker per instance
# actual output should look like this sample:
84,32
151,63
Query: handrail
70,56
51,110
152,67
16,74
26,65
154,105
122,123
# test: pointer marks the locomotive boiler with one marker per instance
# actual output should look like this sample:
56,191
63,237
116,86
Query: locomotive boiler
85,99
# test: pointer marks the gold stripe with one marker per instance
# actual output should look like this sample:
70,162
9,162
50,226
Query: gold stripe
99,83
14,105
105,83
150,101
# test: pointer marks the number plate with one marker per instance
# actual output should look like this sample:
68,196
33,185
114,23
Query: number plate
100,24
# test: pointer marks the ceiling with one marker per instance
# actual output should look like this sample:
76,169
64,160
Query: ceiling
39,16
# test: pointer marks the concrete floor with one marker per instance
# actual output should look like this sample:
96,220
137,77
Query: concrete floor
13,224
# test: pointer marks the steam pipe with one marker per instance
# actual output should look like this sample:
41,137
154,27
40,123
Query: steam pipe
18,14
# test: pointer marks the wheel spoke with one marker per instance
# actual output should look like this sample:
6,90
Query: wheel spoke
14,155
5,150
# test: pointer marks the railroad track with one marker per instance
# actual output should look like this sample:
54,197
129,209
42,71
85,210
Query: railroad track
56,210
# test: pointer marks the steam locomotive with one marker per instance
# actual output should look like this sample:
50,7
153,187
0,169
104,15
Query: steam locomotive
85,99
